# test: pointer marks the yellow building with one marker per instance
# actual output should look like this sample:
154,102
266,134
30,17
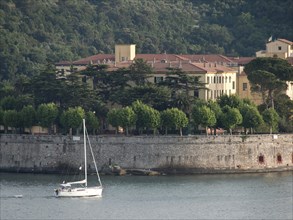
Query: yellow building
218,79
244,88
283,49
222,75
280,48
124,52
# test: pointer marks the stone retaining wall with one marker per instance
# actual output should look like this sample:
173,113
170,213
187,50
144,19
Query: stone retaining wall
171,154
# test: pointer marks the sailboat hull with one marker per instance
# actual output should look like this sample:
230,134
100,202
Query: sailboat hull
79,192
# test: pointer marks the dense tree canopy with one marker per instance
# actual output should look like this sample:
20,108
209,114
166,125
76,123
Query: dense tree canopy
204,116
34,33
268,76
279,67
231,117
174,118
271,117
72,118
251,118
47,114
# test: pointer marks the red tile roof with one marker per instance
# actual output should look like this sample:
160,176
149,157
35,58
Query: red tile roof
96,59
213,67
286,41
161,58
185,66
241,60
212,58
157,57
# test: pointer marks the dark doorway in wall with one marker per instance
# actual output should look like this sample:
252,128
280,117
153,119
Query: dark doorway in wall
261,159
279,158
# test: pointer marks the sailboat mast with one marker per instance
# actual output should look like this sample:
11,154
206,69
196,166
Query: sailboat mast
84,146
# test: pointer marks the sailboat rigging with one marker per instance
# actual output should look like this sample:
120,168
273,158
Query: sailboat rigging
69,189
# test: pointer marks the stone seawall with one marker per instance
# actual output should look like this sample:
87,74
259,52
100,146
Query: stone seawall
169,154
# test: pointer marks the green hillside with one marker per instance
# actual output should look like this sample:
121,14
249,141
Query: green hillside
34,33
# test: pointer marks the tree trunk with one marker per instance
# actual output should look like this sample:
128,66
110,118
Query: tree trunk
180,129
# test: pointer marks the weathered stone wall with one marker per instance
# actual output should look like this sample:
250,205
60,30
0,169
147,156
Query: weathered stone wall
171,154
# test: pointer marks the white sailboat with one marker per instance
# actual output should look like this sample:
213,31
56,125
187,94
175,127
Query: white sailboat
80,188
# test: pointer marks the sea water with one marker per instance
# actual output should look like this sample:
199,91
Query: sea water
232,196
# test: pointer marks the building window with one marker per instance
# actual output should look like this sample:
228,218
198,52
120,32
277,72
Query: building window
244,86
219,79
279,158
159,79
233,85
196,93
215,94
226,79
211,94
229,79
208,80
214,79
279,48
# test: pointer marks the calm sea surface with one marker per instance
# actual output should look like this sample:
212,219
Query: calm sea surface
234,196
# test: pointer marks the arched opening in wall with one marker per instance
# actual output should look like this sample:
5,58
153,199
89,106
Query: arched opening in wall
279,158
261,159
